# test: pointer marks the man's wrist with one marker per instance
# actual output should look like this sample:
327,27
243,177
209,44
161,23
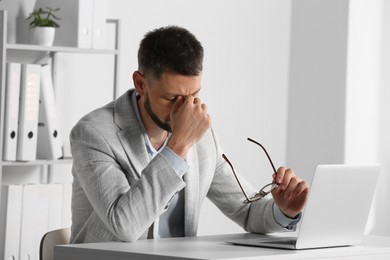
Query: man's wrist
178,147
283,219
179,165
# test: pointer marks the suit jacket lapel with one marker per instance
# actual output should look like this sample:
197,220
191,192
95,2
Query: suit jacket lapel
191,195
130,135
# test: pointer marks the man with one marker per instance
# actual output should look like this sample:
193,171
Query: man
144,163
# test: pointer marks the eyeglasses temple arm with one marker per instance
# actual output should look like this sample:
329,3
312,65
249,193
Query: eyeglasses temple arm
235,175
269,158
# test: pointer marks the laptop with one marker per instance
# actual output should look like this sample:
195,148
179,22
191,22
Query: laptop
336,212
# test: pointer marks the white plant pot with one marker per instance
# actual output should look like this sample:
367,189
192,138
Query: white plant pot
43,36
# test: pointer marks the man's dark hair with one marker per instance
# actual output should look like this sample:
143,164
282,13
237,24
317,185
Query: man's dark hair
172,49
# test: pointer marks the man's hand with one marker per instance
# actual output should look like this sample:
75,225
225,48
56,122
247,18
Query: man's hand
189,122
291,195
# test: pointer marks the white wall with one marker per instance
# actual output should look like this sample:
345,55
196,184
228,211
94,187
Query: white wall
338,93
318,58
368,110
382,203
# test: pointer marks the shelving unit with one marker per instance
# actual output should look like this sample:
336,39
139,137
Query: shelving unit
41,55
38,48
37,162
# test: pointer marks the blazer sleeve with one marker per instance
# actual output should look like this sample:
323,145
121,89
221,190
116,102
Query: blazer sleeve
126,210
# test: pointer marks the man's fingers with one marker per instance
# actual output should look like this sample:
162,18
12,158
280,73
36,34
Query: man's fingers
288,175
197,101
177,104
280,175
301,187
189,119
293,183
283,177
295,188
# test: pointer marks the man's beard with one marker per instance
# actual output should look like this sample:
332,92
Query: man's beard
163,125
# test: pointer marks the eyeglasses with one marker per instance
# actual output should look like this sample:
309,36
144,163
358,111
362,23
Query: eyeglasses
263,191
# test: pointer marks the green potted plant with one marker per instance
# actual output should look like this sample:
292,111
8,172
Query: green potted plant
43,25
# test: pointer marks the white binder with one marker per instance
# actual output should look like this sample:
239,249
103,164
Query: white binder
67,205
11,111
27,212
99,24
49,144
10,215
76,22
55,207
42,211
28,112
35,219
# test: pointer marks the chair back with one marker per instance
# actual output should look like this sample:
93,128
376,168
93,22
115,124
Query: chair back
50,239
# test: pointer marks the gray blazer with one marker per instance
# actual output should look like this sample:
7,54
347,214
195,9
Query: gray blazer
119,193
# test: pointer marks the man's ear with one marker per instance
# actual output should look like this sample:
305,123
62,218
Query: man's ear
139,82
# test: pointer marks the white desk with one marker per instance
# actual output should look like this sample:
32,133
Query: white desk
214,247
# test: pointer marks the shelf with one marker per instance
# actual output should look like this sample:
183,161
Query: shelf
39,48
37,54
37,162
